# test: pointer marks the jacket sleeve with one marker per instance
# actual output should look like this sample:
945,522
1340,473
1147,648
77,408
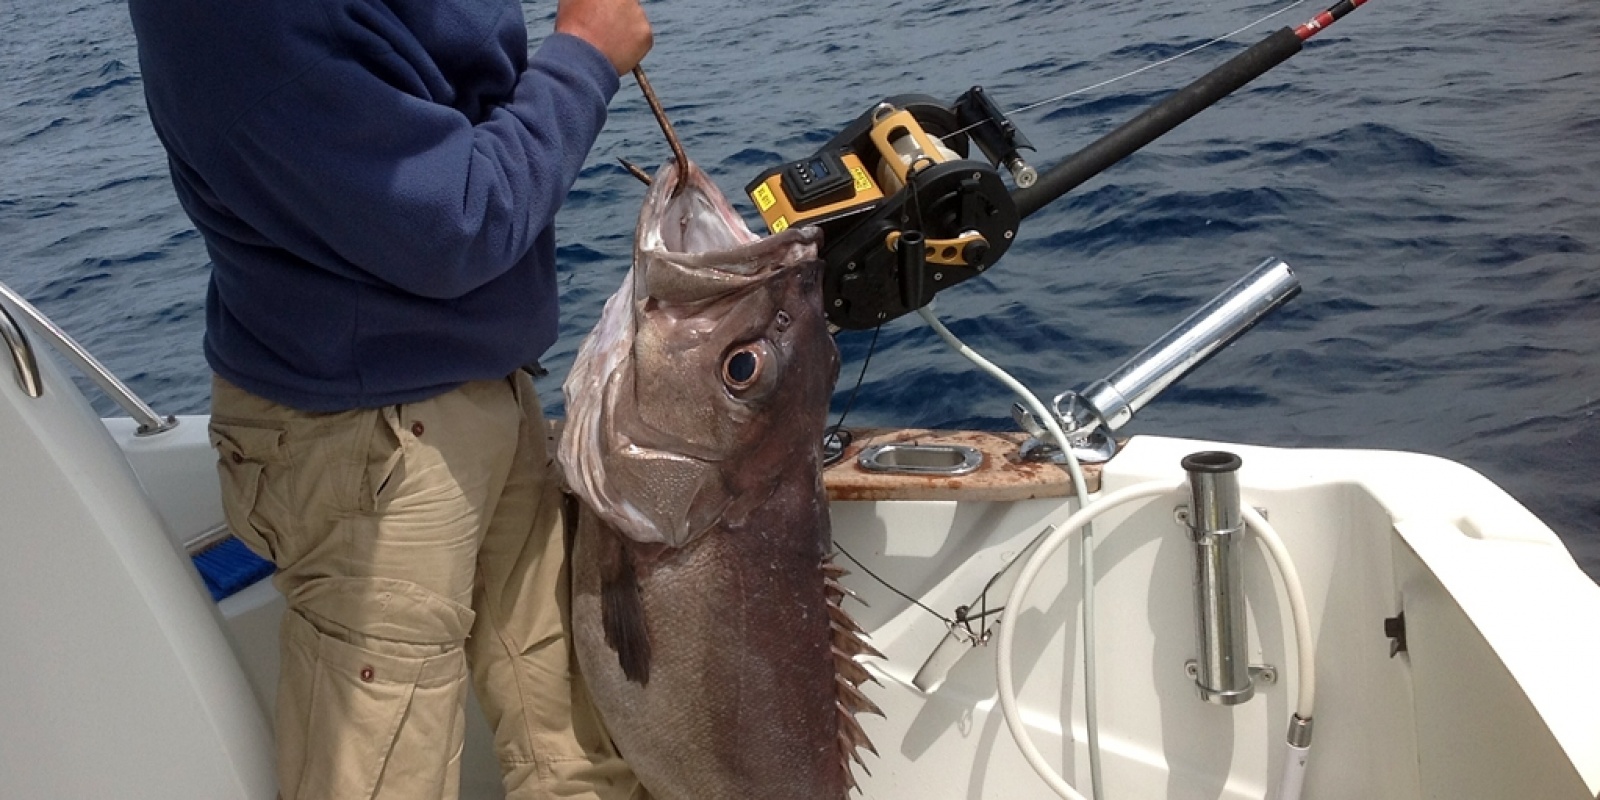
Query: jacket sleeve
352,174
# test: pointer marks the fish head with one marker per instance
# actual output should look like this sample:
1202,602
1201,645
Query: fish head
707,379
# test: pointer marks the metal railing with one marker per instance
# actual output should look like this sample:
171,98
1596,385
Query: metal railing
21,354
27,365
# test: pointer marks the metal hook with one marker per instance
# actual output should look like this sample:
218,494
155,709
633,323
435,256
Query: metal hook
666,127
636,171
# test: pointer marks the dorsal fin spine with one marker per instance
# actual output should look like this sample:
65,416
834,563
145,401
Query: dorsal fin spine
849,641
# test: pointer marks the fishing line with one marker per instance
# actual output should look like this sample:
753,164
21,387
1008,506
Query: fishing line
964,616
887,585
1145,68
837,434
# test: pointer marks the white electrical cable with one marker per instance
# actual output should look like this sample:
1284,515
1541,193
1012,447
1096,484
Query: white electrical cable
1295,756
1305,648
1030,571
1091,705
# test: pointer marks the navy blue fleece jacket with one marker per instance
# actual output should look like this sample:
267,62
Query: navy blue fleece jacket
376,184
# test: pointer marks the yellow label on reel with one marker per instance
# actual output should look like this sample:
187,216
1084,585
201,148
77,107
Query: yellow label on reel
863,181
764,197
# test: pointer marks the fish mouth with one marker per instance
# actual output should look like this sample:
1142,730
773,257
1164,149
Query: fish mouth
692,247
696,220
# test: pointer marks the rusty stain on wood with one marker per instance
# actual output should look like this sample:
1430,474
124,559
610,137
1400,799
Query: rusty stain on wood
1002,477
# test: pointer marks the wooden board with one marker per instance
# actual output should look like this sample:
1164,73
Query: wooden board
1002,477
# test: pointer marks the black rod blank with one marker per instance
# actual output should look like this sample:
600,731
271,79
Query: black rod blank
1158,120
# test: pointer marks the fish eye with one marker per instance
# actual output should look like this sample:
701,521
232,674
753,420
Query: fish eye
742,368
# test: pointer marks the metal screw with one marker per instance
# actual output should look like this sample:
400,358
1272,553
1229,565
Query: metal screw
1263,673
850,267
1181,514
938,276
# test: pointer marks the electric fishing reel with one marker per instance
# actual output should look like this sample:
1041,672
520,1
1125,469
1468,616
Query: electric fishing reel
905,211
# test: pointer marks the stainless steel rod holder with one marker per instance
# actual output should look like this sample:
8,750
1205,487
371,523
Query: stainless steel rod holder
1113,401
1216,528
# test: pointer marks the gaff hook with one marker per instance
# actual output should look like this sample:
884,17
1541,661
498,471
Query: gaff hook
666,127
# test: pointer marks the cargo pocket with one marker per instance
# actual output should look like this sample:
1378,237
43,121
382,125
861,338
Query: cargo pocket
385,460
244,455
355,723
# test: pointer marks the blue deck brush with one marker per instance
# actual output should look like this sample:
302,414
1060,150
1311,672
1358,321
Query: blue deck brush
228,567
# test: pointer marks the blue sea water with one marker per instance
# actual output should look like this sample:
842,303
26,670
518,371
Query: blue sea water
1430,168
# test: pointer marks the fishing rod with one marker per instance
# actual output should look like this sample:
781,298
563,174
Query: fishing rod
908,210
1176,109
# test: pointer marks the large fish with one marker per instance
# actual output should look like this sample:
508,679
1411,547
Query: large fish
705,610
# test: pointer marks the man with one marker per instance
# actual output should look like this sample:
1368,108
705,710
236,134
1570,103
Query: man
375,181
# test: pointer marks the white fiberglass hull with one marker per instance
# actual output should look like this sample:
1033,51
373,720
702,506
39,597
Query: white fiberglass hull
124,680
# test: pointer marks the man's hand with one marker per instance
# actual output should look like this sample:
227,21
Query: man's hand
617,28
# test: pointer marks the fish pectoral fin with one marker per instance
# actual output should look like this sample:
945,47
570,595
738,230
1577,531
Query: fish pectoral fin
622,615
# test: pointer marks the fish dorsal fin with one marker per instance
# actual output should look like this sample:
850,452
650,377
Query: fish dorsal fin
848,642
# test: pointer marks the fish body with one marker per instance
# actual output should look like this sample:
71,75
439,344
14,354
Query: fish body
705,614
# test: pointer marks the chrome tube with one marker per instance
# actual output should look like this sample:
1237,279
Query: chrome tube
149,421
1113,401
1216,527
21,355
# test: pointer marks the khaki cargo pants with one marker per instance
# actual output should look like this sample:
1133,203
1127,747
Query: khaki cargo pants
413,542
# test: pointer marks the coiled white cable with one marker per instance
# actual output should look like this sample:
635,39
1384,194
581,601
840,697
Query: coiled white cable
1014,603
1292,778
1304,647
